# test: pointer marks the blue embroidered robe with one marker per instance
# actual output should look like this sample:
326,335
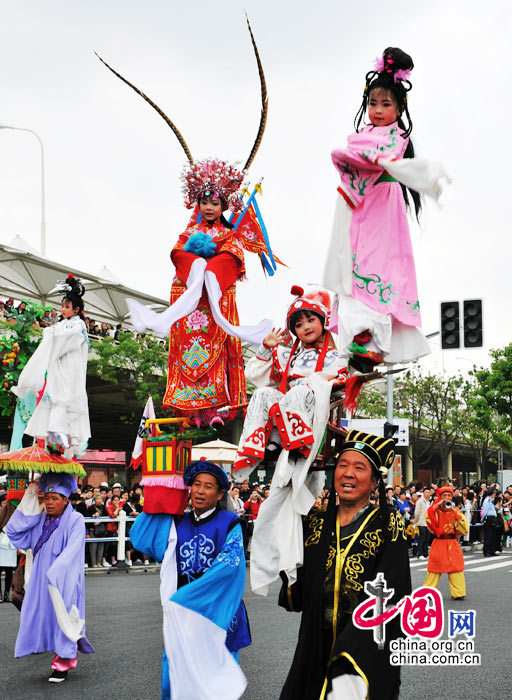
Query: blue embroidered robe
207,560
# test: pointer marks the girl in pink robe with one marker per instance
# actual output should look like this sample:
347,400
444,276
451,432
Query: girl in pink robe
370,263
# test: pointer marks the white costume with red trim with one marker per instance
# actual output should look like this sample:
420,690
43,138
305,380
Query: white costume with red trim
293,396
300,416
292,413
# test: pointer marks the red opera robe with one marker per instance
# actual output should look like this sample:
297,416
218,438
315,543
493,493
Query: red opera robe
206,369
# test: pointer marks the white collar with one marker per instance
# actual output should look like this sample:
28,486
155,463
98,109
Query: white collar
197,518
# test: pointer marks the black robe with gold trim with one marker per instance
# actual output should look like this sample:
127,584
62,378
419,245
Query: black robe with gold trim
374,542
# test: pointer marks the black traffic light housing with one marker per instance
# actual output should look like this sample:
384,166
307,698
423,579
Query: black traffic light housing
473,333
391,431
450,325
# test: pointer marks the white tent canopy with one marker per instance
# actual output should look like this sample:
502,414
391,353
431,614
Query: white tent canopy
26,275
218,451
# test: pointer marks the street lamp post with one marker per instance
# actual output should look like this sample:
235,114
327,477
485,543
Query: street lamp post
43,200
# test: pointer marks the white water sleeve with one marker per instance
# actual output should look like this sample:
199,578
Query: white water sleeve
348,687
160,323
250,334
70,622
424,176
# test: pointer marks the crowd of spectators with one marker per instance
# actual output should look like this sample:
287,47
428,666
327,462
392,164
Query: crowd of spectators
106,501
11,309
487,509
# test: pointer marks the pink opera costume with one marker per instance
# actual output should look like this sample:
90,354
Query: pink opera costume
205,352
290,406
56,374
53,610
370,262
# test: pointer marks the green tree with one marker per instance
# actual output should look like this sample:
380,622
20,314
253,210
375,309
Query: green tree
411,403
493,386
480,425
19,341
371,402
138,367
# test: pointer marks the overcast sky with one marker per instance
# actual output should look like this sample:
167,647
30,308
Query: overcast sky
112,164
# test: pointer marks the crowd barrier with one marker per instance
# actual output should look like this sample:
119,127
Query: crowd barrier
120,536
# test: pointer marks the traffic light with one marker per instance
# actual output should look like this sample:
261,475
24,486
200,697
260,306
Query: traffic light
390,430
450,330
473,336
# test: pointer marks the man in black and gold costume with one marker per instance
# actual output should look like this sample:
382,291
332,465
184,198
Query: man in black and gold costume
345,546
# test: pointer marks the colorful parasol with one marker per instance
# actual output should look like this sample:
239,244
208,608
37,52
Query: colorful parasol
37,459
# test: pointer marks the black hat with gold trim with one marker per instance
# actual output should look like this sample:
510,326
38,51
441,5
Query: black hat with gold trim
379,451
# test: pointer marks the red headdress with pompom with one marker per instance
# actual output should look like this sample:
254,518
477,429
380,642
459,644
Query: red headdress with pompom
317,300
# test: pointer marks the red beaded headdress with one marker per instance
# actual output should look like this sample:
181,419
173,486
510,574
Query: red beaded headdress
212,177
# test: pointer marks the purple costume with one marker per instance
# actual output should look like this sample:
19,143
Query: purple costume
56,581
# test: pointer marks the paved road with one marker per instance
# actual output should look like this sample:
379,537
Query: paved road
124,625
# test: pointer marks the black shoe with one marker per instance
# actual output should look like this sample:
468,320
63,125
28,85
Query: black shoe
462,597
58,676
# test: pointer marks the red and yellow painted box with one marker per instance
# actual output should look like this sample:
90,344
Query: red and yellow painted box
164,460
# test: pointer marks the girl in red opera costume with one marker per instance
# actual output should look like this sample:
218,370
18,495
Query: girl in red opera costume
206,369
205,349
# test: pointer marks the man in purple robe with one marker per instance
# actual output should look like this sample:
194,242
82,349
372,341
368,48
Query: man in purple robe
53,610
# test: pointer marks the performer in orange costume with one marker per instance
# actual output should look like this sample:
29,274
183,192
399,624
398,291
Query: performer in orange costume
447,523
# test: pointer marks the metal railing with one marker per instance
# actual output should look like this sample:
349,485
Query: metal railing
120,536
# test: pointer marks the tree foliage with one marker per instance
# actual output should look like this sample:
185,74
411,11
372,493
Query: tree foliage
492,396
433,405
480,425
138,367
19,340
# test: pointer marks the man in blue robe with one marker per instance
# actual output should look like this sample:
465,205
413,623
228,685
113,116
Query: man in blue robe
53,610
202,582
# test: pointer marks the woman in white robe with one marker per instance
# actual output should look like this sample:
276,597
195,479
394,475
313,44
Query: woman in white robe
56,374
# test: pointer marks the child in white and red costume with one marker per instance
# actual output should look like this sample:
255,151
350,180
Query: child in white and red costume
281,410
290,408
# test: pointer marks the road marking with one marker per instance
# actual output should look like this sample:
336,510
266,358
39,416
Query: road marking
485,560
424,561
488,567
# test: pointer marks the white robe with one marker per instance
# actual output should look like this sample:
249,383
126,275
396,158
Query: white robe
62,414
277,543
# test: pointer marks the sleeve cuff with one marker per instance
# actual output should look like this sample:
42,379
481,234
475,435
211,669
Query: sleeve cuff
264,353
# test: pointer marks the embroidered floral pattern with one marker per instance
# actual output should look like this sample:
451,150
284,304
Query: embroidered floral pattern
315,524
196,321
196,554
373,284
396,526
232,551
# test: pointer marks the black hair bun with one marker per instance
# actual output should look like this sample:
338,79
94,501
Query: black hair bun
77,288
396,59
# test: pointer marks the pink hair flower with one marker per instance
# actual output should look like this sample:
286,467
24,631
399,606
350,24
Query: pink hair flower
402,75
